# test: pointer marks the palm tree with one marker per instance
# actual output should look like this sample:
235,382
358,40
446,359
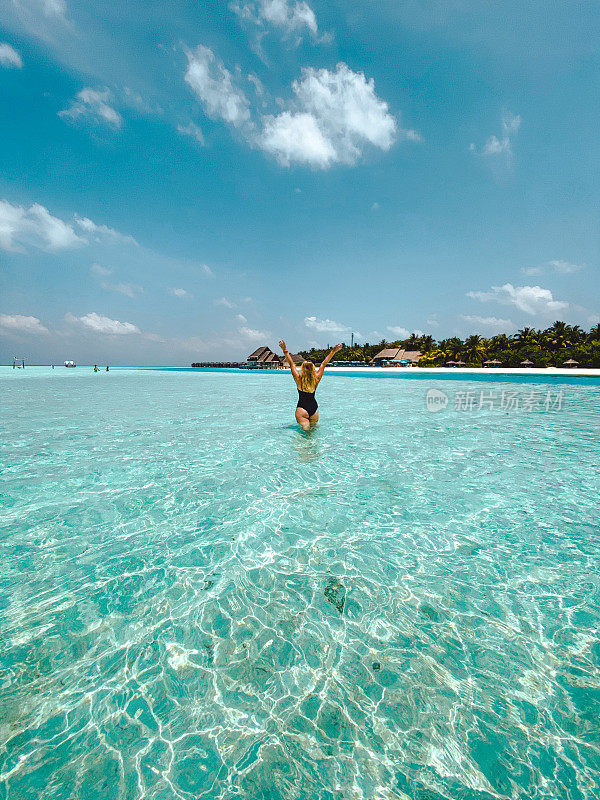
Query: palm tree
525,336
451,347
426,343
474,348
594,332
498,343
558,335
577,334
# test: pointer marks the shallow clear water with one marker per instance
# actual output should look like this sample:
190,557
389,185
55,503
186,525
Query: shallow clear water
199,601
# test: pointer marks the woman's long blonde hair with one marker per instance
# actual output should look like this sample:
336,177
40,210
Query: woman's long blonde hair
308,377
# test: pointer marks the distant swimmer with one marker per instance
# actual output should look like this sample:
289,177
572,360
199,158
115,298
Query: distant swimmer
107,369
95,367
307,380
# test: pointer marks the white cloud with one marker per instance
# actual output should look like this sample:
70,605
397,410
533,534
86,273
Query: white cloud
397,330
489,322
561,267
251,333
135,100
403,333
258,86
21,323
285,14
207,271
502,146
21,228
29,9
12,223
54,8
333,116
102,233
510,124
529,299
290,16
101,324
9,56
58,234
346,104
532,271
223,301
495,146
241,318
95,105
179,293
337,114
565,267
35,226
325,325
213,84
297,137
191,129
433,321
98,269
128,289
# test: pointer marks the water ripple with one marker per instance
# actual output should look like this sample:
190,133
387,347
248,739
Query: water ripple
199,602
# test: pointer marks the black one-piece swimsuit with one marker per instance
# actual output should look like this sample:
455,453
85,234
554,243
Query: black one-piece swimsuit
306,400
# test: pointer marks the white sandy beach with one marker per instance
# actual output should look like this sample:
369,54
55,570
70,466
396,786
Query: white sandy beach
546,372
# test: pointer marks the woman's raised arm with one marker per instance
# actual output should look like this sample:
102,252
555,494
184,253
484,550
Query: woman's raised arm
327,359
290,360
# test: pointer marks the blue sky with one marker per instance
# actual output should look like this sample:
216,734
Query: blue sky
184,182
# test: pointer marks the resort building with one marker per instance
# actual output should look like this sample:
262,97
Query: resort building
396,355
265,358
261,358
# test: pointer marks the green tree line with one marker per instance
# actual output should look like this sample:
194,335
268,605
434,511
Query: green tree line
544,348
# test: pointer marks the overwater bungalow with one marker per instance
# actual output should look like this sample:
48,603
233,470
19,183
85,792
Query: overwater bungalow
264,358
260,354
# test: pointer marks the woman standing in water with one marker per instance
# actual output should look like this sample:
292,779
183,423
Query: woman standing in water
307,380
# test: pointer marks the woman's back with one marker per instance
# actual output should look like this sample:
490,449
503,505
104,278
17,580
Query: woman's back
307,380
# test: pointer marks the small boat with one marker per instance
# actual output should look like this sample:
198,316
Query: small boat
70,364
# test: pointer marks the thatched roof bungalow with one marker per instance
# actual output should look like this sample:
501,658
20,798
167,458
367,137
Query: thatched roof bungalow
259,354
395,355
265,357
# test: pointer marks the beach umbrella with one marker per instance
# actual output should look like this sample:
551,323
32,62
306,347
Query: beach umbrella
460,364
527,363
492,362
450,363
571,363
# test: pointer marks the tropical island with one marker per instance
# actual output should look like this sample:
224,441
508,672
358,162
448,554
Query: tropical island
557,346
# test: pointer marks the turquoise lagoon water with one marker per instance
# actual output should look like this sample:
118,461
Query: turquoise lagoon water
199,601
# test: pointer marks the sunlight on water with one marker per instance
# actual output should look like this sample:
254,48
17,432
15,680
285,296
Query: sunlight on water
200,601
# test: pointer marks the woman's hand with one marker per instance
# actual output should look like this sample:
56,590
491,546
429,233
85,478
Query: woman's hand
283,345
337,348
